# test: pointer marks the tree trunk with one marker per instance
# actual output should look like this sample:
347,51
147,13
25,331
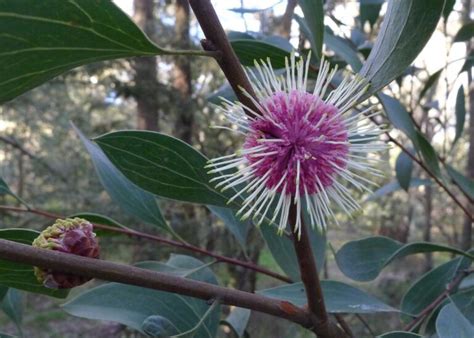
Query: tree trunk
466,239
287,19
182,74
145,90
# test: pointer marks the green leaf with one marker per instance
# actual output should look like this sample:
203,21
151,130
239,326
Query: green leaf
460,111
400,118
464,183
363,260
405,30
12,305
343,48
339,297
400,334
403,170
369,11
238,320
5,190
128,196
41,40
432,284
21,276
452,323
237,227
133,306
3,291
283,251
394,186
5,335
162,165
250,50
465,33
158,326
313,12
448,8
430,82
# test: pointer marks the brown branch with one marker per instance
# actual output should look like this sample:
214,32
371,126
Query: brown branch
366,325
323,326
185,246
217,41
427,170
121,273
433,305
344,325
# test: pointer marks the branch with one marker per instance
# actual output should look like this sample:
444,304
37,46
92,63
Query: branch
323,327
126,274
217,41
433,305
185,246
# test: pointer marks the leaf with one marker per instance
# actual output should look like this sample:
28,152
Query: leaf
363,260
339,297
465,33
432,284
12,305
158,326
282,248
21,276
3,291
403,170
128,196
162,165
238,228
238,320
5,190
399,334
460,111
313,12
405,30
394,186
5,335
400,118
433,78
38,43
448,8
369,11
100,219
133,306
343,48
451,323
250,50
464,183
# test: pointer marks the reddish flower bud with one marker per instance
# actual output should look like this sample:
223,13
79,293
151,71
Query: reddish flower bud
70,235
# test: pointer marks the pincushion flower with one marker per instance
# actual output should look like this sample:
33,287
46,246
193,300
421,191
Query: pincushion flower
70,235
300,147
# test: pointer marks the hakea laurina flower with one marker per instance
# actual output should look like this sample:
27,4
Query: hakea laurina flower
300,147
70,235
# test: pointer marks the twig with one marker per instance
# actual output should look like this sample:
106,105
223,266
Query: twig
343,324
366,325
433,305
121,273
185,246
217,41
323,327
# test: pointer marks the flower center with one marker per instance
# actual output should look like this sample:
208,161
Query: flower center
298,144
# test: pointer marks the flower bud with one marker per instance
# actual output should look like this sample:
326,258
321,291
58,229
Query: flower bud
70,235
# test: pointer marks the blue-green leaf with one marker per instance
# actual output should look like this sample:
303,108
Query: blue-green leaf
339,297
313,12
127,195
400,334
363,260
250,50
405,30
403,170
451,323
394,186
460,111
464,183
138,307
238,320
12,305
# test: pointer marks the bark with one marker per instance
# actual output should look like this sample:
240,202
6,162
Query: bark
466,239
428,225
182,74
284,28
146,86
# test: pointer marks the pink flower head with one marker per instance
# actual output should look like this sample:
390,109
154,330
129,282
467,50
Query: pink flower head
299,146
70,235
